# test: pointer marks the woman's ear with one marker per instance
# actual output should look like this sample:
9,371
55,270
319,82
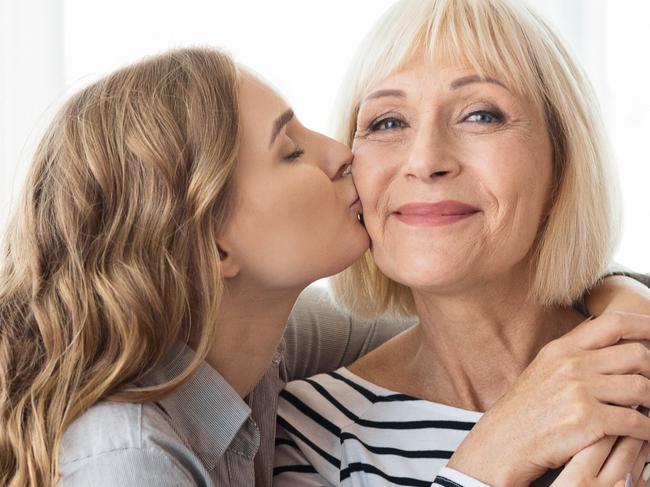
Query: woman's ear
228,260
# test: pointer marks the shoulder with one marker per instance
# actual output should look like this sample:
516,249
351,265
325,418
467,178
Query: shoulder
312,416
321,336
106,426
124,444
321,419
379,365
325,405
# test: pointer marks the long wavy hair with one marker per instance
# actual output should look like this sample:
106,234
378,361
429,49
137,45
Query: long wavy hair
110,257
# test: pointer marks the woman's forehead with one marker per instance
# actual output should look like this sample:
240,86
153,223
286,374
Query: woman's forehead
415,75
420,73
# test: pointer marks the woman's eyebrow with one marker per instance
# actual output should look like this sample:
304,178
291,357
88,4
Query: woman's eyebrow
466,80
383,93
280,122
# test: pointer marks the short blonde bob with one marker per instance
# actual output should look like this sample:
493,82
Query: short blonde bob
507,41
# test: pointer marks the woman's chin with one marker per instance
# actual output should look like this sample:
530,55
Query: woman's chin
432,276
341,258
359,242
358,247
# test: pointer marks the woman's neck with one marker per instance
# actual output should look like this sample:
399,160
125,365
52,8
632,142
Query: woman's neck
249,329
470,348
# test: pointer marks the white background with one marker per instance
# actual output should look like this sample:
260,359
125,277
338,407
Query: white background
49,48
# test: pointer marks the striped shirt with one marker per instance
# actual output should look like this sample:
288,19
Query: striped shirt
339,429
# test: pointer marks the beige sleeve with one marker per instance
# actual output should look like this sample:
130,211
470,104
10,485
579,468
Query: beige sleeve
321,337
642,278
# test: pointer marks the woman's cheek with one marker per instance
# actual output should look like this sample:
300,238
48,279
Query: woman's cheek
370,190
367,168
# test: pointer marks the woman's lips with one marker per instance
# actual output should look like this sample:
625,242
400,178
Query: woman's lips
356,207
434,214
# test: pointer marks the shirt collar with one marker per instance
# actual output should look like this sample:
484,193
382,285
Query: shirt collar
278,356
207,411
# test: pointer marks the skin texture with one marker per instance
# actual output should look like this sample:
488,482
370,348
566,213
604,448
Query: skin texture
294,222
448,143
434,133
605,462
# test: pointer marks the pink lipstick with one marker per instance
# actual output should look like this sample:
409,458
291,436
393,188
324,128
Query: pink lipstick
434,214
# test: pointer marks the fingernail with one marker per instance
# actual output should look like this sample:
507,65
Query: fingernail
646,472
628,480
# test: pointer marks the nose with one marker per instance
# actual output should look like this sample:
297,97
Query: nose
335,158
431,156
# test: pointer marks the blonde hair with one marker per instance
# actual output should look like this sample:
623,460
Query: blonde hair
509,42
111,258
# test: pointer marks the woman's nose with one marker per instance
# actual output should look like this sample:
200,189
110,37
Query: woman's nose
336,159
431,156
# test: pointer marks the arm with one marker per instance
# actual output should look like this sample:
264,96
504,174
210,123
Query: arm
620,293
606,463
321,337
614,295
313,316
599,465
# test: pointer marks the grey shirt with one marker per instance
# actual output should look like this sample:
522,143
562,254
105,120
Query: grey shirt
205,434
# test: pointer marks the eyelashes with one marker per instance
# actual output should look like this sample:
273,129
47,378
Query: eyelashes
390,123
486,117
384,123
295,155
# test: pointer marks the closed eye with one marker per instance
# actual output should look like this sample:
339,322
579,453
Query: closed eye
296,154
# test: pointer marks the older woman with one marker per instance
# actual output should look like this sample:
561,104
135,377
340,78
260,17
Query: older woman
482,168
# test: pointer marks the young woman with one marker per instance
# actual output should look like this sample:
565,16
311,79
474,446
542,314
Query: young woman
173,213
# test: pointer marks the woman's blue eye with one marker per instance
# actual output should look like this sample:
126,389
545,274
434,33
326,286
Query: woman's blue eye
483,118
387,124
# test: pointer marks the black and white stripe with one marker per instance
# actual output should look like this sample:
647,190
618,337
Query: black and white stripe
338,429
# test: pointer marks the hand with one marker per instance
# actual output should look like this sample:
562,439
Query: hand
605,463
577,391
